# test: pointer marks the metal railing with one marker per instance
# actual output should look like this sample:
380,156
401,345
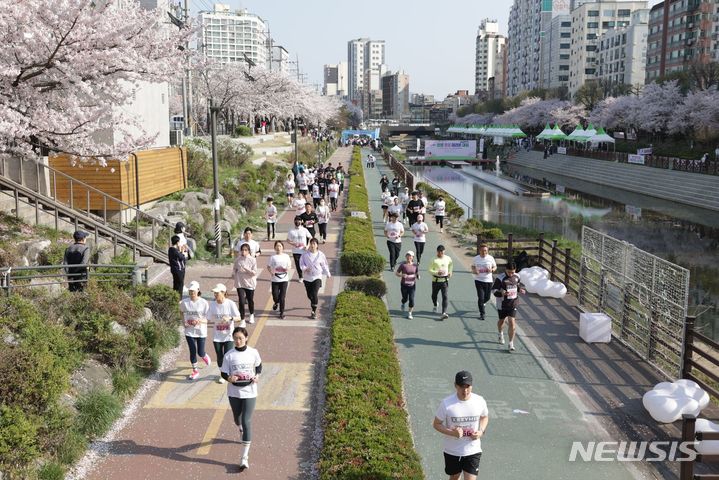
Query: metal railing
47,275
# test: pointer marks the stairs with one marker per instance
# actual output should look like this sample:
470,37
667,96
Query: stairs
695,189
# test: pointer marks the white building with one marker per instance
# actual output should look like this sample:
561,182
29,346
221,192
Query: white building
280,59
556,45
489,51
589,21
335,80
227,36
622,52
364,54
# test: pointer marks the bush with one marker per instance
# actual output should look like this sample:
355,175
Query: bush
361,263
163,301
18,444
51,471
72,447
96,412
125,382
232,153
199,164
366,434
452,208
243,131
492,233
371,286
472,227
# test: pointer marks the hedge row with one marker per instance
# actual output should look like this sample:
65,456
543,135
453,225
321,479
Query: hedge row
452,207
366,435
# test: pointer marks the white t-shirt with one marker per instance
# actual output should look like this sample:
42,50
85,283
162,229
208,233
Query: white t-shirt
299,237
439,207
290,186
404,198
323,213
243,364
453,413
271,214
334,189
395,209
316,191
196,310
254,246
419,230
394,231
424,205
299,205
314,265
484,268
302,181
223,314
280,266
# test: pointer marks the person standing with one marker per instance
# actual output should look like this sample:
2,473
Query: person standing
483,266
507,288
279,267
441,271
241,369
270,218
439,209
177,265
414,208
323,214
76,259
419,229
408,271
333,189
194,314
393,230
181,232
462,418
309,219
255,248
290,189
244,273
313,265
298,237
223,312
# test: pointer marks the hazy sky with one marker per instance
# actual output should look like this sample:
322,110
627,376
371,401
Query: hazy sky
432,41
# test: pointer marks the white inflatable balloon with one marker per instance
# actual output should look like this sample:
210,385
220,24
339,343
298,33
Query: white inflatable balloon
667,402
707,447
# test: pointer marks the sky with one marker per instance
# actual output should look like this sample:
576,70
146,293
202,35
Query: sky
432,41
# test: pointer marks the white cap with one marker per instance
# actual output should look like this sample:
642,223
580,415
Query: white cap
194,285
409,252
220,287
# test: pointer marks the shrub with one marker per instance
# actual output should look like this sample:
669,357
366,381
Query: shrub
72,447
492,233
162,300
361,263
125,382
366,434
199,165
452,208
54,254
372,286
472,227
51,471
232,153
18,445
243,131
96,412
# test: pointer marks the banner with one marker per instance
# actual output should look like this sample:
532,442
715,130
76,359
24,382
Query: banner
481,145
562,150
498,140
450,149
638,159
644,151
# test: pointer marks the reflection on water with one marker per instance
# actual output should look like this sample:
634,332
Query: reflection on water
684,235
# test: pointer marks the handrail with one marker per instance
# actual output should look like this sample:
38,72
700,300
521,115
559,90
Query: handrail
469,209
135,274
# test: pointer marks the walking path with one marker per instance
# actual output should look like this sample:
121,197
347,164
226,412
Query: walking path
184,430
533,418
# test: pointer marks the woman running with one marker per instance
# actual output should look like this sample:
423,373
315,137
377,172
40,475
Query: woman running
271,218
242,367
393,230
439,208
194,314
244,272
279,267
299,238
290,189
419,229
313,264
395,208
299,204
333,189
386,198
316,195
323,214
408,271
223,312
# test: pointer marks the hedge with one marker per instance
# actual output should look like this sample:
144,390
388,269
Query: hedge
366,433
372,286
452,207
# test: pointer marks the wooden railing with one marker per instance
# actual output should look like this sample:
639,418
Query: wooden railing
400,170
690,435
704,367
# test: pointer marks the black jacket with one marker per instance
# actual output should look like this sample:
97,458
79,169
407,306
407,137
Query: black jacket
177,260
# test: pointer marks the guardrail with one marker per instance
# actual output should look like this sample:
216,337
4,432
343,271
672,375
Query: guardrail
689,434
400,170
23,277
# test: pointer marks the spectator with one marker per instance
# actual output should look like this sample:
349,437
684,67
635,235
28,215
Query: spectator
177,264
77,254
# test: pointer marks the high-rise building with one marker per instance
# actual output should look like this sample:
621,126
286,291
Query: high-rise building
364,54
489,48
395,95
622,52
556,45
589,21
228,36
280,59
335,80
681,33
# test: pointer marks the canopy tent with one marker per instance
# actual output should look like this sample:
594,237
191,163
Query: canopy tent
396,149
577,134
547,130
557,134
590,131
601,137
505,131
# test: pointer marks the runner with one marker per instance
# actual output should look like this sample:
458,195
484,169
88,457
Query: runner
242,367
393,230
483,266
244,272
425,202
279,267
314,264
324,215
223,312
303,182
322,183
439,208
441,271
334,193
340,176
299,204
404,200
396,207
309,219
420,229
298,237
462,418
271,218
194,314
414,208
386,202
507,288
408,271
255,248
369,160
395,186
383,183
290,189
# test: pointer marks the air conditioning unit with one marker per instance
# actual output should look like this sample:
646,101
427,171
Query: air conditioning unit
176,138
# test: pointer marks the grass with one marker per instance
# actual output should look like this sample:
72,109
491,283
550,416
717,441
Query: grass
96,412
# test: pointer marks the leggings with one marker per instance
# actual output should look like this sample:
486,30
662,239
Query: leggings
178,282
312,231
439,219
407,294
419,250
333,203
271,226
323,231
394,249
316,201
313,289
440,287
484,290
221,348
242,410
197,347
249,295
297,256
279,292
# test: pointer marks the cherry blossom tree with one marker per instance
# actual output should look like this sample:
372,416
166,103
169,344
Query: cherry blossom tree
698,115
67,63
658,104
534,113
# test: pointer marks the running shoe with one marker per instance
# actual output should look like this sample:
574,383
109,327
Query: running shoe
511,346
244,464
299,280
243,324
481,316
402,307
252,318
445,316
282,316
500,339
221,380
434,308
195,373
275,305
409,315
207,360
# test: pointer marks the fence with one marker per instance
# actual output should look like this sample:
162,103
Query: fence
47,275
689,434
400,170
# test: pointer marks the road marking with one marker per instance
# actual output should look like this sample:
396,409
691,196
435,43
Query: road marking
296,323
212,430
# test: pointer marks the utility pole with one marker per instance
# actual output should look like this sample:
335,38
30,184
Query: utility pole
215,178
187,82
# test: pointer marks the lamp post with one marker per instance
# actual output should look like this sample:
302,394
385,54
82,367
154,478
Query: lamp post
215,178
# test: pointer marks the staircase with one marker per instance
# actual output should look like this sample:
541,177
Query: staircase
693,189
49,209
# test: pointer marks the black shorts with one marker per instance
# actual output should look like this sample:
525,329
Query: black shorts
304,191
291,194
509,312
385,207
454,465
438,218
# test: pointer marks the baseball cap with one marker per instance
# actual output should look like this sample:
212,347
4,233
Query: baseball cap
220,287
463,378
79,235
194,285
409,252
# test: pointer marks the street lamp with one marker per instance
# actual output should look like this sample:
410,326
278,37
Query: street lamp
215,177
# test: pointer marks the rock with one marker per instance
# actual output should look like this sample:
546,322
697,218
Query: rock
194,201
32,249
51,288
118,329
225,226
146,235
146,316
105,256
192,244
196,218
10,340
231,215
91,376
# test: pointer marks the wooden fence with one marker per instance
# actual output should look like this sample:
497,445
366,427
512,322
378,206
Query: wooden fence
400,170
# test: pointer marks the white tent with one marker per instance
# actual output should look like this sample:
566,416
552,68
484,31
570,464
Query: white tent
396,149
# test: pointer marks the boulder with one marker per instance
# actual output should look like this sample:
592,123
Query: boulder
231,215
225,226
32,249
118,329
146,235
90,376
105,255
146,316
194,201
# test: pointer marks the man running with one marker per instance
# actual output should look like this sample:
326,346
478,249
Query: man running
507,288
441,271
309,219
393,230
299,238
483,266
414,208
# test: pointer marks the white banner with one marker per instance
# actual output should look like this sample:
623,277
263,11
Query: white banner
450,149
638,159
498,140
481,145
644,151
559,188
562,150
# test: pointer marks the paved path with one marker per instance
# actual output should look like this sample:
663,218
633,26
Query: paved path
184,429
533,419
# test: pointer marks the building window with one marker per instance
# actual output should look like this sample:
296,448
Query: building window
566,24
563,46
593,25
608,13
593,13
591,36
564,67
624,12
564,56
566,35
591,48
607,24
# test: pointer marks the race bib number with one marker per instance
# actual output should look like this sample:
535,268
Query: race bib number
442,273
511,293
